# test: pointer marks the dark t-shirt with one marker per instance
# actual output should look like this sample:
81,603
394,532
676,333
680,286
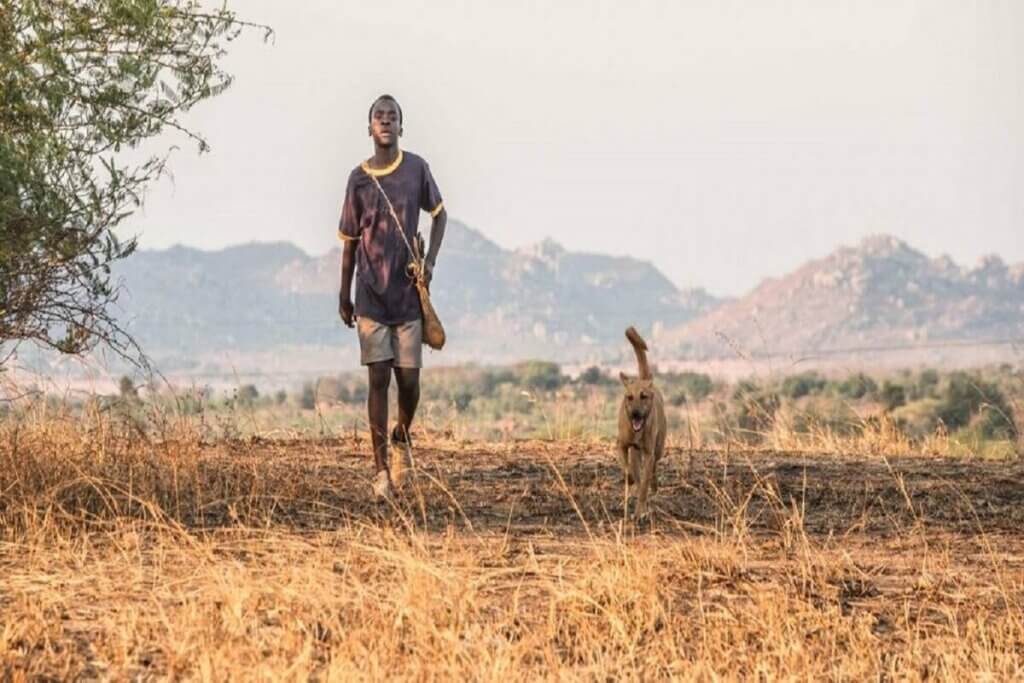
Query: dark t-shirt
384,291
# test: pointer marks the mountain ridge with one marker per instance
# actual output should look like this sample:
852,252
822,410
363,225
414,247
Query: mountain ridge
544,300
539,300
881,291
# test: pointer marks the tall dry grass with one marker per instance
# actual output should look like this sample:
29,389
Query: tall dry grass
127,554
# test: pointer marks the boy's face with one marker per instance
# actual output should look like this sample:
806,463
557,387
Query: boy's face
385,126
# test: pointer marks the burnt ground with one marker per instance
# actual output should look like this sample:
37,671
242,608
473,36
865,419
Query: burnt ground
529,487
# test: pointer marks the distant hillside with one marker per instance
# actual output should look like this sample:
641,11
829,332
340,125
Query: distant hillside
547,302
498,305
881,292
187,300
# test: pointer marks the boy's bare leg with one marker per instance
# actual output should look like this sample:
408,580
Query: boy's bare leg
408,380
377,406
408,397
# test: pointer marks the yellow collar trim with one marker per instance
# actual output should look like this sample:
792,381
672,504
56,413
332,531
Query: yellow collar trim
378,172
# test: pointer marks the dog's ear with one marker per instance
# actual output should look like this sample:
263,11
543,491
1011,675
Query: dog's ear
625,378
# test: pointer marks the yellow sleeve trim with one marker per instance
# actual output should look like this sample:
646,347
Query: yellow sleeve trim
346,238
436,210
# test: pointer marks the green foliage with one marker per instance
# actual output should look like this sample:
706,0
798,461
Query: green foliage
893,395
687,387
539,375
744,388
358,392
459,386
857,386
970,399
248,394
81,83
126,388
592,376
804,384
927,383
918,418
307,399
754,407
461,400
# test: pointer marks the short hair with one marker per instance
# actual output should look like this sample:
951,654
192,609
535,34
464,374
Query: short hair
390,98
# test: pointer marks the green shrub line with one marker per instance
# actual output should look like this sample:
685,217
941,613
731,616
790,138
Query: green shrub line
537,399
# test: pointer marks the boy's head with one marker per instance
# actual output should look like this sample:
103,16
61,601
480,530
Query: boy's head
385,121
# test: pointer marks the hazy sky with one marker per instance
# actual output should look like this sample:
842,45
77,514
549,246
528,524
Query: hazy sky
724,141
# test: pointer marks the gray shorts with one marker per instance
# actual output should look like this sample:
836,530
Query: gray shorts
400,344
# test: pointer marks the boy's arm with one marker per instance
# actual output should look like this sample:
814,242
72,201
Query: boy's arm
348,265
436,237
348,233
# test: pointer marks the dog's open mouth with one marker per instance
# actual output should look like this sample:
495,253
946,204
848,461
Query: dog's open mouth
638,423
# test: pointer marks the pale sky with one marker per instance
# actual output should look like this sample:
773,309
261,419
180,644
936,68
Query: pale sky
723,141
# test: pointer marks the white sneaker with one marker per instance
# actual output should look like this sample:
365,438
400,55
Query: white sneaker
382,489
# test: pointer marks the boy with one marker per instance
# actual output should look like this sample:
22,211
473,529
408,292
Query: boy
386,312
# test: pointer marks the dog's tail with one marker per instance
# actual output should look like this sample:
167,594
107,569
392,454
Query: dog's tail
640,347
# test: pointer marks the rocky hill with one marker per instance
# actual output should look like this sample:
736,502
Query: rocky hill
257,300
879,293
498,305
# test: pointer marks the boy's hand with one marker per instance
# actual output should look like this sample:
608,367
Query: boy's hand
347,311
428,274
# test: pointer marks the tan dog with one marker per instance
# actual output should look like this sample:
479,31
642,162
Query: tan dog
642,427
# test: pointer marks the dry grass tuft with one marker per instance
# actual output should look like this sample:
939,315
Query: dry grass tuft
124,555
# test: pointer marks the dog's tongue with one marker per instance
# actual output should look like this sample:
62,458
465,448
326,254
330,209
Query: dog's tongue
638,424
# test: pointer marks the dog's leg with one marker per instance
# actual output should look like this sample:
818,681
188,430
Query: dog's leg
624,459
659,453
634,466
645,485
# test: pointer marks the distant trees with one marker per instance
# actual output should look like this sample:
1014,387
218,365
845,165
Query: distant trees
693,387
857,386
804,384
307,399
248,394
540,375
893,395
82,82
592,375
969,400
127,390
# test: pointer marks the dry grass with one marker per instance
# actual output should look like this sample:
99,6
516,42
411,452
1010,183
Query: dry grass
129,556
879,437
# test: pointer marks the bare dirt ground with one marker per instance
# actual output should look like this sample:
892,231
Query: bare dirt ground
267,559
527,488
